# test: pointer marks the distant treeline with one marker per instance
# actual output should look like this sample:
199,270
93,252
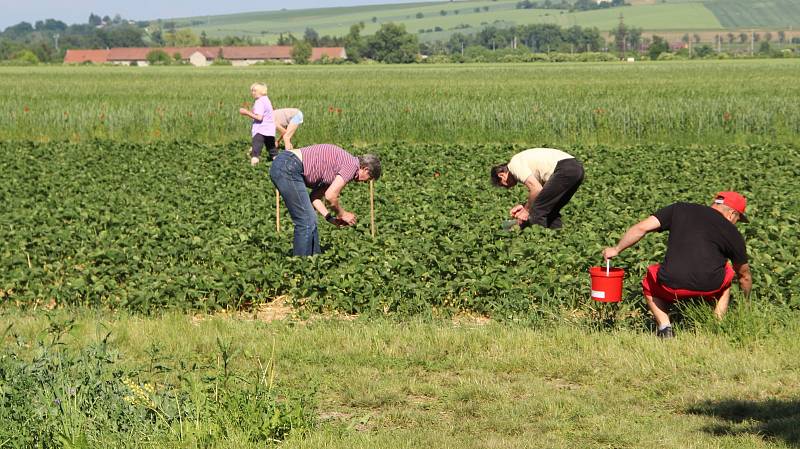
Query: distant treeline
46,41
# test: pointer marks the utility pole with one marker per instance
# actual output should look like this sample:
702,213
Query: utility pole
55,37
621,34
752,40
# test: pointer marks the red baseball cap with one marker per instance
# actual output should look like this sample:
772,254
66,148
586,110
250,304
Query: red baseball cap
735,201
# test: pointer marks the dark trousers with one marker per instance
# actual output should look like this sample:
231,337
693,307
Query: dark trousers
260,141
556,193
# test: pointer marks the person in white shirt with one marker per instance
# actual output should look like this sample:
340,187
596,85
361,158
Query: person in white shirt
552,178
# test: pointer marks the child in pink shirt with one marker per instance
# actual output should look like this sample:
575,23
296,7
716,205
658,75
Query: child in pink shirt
263,130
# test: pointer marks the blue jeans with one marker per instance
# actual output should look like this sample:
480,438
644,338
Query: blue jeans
286,173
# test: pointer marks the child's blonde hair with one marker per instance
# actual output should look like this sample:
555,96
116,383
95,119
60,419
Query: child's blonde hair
261,89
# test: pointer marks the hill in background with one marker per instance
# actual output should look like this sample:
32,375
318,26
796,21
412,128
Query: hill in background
438,20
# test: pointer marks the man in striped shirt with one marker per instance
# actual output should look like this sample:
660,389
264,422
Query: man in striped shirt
325,169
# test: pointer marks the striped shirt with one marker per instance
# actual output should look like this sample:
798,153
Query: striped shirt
322,162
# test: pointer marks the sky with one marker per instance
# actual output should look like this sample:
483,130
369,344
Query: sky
77,11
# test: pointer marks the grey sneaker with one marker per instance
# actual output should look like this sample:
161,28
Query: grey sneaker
665,333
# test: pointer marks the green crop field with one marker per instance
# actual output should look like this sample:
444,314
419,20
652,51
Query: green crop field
758,13
470,16
140,263
713,102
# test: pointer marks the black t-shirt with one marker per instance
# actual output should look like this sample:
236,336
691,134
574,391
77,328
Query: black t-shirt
701,241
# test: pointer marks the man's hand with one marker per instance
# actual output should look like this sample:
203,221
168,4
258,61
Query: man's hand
515,209
347,218
254,161
522,215
610,252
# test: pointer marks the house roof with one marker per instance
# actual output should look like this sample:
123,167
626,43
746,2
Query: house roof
79,56
330,52
231,53
259,52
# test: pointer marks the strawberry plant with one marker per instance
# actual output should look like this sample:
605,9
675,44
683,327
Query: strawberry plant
191,226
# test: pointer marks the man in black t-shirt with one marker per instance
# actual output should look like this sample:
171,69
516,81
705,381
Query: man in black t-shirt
701,241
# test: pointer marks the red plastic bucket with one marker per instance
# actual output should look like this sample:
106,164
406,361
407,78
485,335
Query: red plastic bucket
607,285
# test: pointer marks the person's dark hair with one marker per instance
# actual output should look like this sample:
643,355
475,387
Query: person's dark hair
496,170
372,164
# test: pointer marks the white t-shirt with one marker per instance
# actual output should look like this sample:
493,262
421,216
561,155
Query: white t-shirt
282,116
539,162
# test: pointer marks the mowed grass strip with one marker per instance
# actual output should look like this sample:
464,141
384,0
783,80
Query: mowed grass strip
383,384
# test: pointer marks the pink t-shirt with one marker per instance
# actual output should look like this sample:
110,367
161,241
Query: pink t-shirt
265,126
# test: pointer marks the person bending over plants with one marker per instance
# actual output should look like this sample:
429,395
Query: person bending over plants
552,178
702,240
263,129
325,169
287,121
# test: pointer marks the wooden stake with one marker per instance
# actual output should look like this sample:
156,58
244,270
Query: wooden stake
372,207
277,211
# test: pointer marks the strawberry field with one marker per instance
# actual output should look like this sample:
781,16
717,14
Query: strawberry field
189,225
128,207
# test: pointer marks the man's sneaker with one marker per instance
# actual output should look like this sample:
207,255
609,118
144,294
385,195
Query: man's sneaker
665,333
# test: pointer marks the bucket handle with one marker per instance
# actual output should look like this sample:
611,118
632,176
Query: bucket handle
608,266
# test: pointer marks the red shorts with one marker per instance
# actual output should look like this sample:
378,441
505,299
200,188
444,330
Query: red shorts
651,287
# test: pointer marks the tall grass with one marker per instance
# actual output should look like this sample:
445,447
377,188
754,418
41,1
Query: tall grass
697,102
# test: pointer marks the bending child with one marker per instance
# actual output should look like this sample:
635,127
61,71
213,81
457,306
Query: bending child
287,120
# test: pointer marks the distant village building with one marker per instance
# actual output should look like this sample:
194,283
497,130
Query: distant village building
199,56
678,45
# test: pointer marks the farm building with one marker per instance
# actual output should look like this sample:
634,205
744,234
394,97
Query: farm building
199,56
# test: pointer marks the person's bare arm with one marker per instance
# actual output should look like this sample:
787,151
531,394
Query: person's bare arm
522,213
281,131
632,236
745,278
251,114
316,200
534,188
330,195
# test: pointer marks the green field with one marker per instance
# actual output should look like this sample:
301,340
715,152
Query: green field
780,14
711,102
463,17
147,300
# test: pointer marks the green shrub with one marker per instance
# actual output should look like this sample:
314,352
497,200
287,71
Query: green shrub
158,57
26,57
